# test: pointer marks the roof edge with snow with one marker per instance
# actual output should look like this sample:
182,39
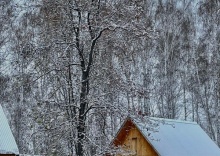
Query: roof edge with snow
7,141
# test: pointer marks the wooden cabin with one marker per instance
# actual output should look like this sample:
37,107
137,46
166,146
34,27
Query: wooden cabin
162,137
8,146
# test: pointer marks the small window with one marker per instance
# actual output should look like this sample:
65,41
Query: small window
134,145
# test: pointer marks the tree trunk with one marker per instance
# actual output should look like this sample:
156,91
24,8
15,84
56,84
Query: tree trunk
82,112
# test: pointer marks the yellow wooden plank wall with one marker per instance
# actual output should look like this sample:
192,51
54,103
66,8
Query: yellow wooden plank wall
138,144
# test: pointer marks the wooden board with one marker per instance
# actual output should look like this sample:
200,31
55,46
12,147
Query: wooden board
131,139
138,144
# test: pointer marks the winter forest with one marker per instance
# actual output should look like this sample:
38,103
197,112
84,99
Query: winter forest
72,70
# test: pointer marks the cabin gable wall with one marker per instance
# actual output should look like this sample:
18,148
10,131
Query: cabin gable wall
137,144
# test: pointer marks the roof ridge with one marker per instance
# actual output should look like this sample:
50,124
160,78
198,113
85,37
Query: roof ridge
165,120
174,120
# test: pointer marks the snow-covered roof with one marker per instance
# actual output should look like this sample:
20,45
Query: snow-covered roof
172,137
7,141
